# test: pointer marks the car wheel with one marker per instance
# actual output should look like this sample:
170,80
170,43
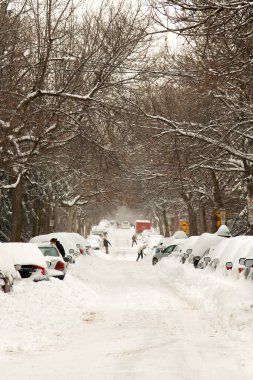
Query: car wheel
154,261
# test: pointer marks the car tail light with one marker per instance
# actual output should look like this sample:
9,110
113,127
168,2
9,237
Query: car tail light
240,270
228,267
81,251
59,265
42,270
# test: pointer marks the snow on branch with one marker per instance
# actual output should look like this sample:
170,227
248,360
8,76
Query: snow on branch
181,129
4,124
72,202
13,185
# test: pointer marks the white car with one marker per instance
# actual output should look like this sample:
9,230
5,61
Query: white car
70,248
81,243
229,256
125,224
27,259
202,244
93,243
57,265
166,241
152,242
186,248
97,238
166,251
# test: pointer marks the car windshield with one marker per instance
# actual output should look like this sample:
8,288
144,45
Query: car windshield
49,251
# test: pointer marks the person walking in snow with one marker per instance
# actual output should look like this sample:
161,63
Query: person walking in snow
140,252
106,245
134,240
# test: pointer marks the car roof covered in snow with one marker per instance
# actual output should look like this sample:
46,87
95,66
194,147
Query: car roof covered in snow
233,249
63,238
24,253
189,243
206,241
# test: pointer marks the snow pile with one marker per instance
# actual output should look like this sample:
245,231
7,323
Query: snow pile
39,316
227,302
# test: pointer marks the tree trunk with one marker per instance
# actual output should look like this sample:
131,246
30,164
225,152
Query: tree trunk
160,225
218,202
166,224
202,218
250,207
16,222
192,220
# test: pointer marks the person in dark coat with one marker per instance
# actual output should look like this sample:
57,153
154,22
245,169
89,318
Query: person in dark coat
134,240
106,245
141,252
59,246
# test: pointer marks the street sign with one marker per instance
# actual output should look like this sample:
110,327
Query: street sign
184,225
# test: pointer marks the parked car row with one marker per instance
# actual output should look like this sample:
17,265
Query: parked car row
40,259
218,251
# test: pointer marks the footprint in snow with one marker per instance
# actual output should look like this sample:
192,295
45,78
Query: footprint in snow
88,316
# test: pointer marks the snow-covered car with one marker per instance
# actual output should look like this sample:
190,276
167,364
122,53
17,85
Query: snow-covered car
96,238
186,248
82,244
57,265
152,242
166,251
219,253
99,230
70,248
205,242
94,243
8,272
166,241
28,260
146,233
230,255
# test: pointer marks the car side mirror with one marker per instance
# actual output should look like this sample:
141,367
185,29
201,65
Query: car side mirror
248,263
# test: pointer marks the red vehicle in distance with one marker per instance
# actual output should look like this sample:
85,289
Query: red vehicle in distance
141,225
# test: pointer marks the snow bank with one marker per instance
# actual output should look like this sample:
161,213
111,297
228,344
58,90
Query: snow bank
226,301
39,316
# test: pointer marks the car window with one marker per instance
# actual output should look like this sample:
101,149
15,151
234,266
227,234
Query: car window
169,249
49,251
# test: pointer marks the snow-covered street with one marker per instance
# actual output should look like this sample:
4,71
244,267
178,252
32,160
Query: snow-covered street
115,318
